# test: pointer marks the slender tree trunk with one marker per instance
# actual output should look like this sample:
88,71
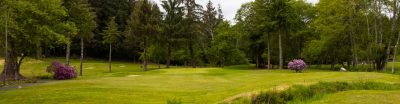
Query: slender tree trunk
393,32
369,43
109,58
158,63
68,50
5,52
395,53
269,56
257,62
38,51
280,50
67,54
191,50
168,55
387,56
81,59
145,55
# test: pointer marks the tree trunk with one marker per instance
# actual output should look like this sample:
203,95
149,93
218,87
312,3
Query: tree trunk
269,56
168,55
369,43
394,55
192,56
109,58
158,63
384,64
145,56
393,32
67,54
257,62
11,67
81,59
5,52
398,37
38,51
280,50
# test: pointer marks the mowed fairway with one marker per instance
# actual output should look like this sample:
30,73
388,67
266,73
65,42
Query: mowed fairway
128,84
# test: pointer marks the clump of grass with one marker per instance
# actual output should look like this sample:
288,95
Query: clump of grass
302,93
174,101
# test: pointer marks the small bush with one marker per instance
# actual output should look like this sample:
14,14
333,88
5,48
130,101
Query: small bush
61,71
297,64
174,101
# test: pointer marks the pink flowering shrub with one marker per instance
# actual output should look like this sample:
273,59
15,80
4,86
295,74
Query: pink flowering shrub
297,64
61,71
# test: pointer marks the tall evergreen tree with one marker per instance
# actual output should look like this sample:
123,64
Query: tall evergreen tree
172,25
192,28
144,26
111,36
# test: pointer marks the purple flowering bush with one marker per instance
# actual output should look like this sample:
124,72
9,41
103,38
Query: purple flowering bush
61,71
297,64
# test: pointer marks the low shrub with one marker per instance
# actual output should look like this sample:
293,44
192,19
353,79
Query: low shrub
297,64
301,93
61,71
174,101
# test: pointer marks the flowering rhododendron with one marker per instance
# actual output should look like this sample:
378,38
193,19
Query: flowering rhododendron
61,71
297,64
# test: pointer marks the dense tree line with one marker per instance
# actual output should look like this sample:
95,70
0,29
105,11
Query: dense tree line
267,33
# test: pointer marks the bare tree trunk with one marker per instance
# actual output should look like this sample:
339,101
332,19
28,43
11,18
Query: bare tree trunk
11,67
67,53
109,58
369,43
393,32
68,50
269,56
280,50
387,56
6,52
353,41
257,62
192,55
168,55
395,53
38,51
145,55
81,59
158,63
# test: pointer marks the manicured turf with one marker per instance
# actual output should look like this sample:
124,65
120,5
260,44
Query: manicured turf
128,84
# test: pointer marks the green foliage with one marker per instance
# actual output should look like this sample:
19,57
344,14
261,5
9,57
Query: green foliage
224,49
80,12
111,33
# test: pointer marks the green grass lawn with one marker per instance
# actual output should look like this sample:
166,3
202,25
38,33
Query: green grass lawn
201,85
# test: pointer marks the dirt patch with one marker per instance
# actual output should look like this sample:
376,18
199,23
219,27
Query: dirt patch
254,93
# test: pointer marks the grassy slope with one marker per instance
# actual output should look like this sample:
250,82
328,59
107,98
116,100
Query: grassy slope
205,85
362,97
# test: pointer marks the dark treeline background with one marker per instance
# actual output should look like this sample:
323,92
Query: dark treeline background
350,33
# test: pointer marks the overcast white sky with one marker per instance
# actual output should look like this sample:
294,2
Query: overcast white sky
229,7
